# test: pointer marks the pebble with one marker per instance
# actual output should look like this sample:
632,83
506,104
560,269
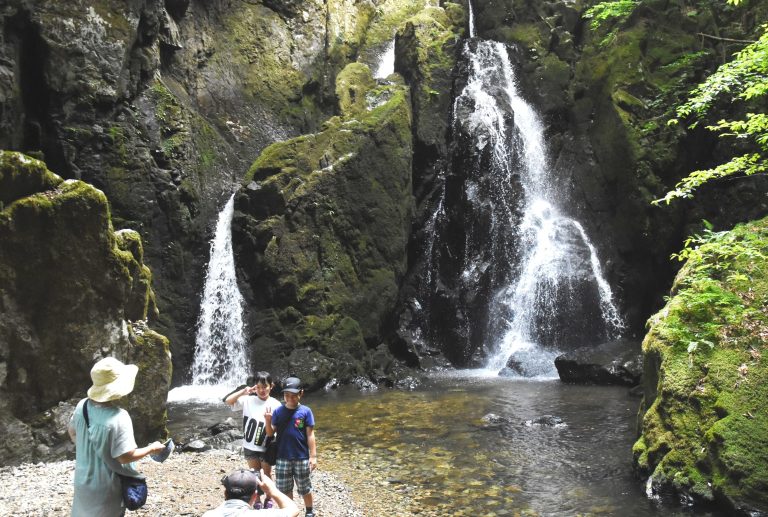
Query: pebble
189,484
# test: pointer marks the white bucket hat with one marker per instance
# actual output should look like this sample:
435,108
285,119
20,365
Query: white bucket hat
111,379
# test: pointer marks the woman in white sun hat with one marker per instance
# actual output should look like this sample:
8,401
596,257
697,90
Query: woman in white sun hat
104,444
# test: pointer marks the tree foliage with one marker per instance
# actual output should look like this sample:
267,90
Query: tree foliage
617,10
742,81
741,86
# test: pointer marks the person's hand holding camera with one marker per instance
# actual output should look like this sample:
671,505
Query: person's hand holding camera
266,485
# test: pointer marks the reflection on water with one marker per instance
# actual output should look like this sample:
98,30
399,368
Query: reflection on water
435,445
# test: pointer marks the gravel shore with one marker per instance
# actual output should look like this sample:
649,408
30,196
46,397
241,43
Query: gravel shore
188,484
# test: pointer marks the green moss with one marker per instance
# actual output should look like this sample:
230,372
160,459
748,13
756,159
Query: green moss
257,37
429,57
168,111
62,268
336,229
389,15
352,86
119,143
21,176
526,34
702,433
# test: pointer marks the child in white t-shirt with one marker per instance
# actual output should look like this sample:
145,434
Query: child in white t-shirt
254,424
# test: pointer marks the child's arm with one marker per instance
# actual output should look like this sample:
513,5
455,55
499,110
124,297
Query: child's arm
312,448
268,420
232,397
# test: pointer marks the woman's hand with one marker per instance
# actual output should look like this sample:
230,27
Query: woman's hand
156,447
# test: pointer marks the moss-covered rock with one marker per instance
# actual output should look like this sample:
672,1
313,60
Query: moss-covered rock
706,394
321,235
352,85
427,50
69,287
21,176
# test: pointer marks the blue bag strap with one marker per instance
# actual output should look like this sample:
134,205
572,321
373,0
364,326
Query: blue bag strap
85,413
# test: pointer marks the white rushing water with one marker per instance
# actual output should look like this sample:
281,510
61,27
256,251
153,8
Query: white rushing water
386,66
221,357
471,19
553,251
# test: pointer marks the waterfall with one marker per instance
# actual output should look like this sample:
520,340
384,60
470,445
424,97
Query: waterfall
221,357
386,66
531,264
471,19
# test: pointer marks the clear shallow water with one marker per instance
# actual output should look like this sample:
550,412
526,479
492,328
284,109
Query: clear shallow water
434,445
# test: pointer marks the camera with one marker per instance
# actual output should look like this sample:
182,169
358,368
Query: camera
258,477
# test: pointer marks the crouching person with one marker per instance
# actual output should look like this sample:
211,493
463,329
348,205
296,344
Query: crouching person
242,489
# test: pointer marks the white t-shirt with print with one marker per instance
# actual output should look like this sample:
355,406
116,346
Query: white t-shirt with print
254,424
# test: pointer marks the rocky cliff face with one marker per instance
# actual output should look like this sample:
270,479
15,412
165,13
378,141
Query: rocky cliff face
321,233
163,105
705,377
72,290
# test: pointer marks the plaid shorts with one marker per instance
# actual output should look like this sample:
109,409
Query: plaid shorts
286,471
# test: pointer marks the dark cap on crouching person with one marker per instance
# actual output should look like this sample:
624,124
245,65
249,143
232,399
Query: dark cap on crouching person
240,484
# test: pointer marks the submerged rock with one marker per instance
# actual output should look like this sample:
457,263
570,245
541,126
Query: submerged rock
492,420
546,421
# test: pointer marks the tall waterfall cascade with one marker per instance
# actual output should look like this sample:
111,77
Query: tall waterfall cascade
220,346
537,260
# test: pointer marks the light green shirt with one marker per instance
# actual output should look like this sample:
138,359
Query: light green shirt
110,435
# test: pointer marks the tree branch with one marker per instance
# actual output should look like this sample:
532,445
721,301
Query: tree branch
725,39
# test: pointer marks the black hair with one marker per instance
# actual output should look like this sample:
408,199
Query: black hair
243,497
262,378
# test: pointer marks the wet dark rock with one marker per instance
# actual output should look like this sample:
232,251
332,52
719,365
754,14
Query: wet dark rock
177,8
230,439
364,384
408,383
614,362
528,363
227,425
195,446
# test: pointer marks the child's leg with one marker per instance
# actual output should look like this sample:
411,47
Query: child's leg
304,481
254,463
267,468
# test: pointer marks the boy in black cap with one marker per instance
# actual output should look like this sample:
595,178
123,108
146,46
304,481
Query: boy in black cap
296,448
241,490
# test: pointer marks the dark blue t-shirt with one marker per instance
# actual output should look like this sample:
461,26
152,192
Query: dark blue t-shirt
293,444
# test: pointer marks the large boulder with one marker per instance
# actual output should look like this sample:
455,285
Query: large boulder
615,362
320,234
705,406
71,291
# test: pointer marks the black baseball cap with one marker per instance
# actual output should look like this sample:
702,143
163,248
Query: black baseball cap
292,385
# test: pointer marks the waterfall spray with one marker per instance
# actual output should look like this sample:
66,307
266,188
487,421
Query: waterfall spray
532,266
220,347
